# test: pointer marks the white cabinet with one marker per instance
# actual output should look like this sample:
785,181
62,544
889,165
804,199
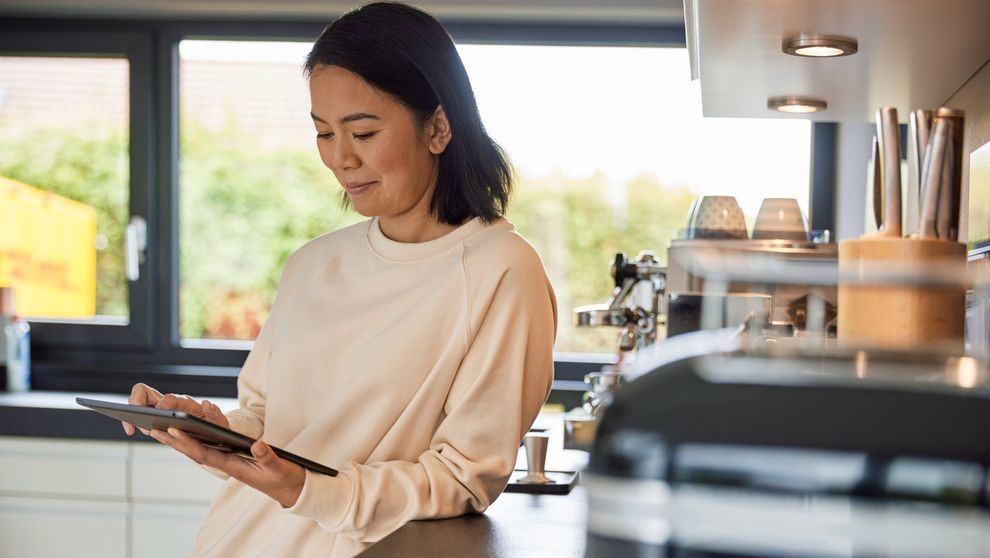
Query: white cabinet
912,54
162,475
62,498
164,530
63,468
43,527
170,497
88,498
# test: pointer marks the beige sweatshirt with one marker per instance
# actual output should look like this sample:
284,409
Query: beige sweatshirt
414,369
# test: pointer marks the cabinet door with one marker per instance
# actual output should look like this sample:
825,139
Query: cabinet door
42,528
171,495
62,497
164,530
53,467
160,474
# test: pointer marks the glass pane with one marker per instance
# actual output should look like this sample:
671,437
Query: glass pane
609,148
252,187
64,175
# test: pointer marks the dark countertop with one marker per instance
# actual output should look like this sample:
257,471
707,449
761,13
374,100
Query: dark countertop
516,525
53,414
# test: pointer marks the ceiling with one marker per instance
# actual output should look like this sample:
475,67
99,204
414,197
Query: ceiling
912,54
604,11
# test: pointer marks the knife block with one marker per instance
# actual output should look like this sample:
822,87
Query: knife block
900,316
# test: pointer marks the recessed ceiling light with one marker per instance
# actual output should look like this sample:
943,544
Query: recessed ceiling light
796,104
819,46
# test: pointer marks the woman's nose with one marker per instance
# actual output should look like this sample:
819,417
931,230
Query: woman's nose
343,157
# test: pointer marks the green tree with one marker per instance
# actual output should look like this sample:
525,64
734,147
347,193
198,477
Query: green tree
244,210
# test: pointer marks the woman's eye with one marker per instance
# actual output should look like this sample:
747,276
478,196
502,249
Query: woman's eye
365,136
324,135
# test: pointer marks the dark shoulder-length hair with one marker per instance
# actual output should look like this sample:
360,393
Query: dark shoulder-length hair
406,53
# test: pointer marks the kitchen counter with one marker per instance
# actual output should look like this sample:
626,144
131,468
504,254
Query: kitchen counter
545,525
515,525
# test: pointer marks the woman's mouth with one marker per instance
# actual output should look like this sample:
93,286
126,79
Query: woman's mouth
356,188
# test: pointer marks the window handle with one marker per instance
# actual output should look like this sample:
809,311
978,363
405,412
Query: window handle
135,245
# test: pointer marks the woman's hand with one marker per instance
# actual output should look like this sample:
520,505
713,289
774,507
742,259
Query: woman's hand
280,479
264,471
142,394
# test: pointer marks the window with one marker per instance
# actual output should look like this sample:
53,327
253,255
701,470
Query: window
602,167
609,148
252,187
64,157
75,185
201,131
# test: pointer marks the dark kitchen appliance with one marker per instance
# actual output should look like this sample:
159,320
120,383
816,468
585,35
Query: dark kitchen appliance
781,450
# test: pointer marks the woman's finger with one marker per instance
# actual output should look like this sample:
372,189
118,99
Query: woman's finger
263,455
141,394
213,414
182,403
168,401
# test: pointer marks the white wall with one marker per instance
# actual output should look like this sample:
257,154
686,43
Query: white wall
855,147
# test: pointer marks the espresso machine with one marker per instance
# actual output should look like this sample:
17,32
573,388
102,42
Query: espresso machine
636,309
730,276
704,285
636,304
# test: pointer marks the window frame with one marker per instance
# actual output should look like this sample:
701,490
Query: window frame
69,359
136,47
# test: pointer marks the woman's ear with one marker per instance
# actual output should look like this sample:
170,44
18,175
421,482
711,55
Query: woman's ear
438,130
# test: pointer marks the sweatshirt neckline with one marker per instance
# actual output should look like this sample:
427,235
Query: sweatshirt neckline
412,251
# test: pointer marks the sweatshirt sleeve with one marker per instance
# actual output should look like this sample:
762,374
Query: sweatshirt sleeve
252,381
249,417
499,388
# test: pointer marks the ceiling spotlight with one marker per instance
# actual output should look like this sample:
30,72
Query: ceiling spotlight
794,104
819,46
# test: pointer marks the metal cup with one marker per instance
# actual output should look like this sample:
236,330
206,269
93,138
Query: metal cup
536,459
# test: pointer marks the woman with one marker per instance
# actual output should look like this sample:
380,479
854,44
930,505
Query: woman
411,351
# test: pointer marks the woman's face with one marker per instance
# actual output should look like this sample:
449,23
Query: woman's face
382,155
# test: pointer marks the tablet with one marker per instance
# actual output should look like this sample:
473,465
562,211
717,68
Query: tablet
207,433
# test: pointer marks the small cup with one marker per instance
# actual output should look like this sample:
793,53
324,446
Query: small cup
780,219
690,217
717,217
820,236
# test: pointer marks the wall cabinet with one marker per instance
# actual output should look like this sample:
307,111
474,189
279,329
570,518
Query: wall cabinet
912,54
92,498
